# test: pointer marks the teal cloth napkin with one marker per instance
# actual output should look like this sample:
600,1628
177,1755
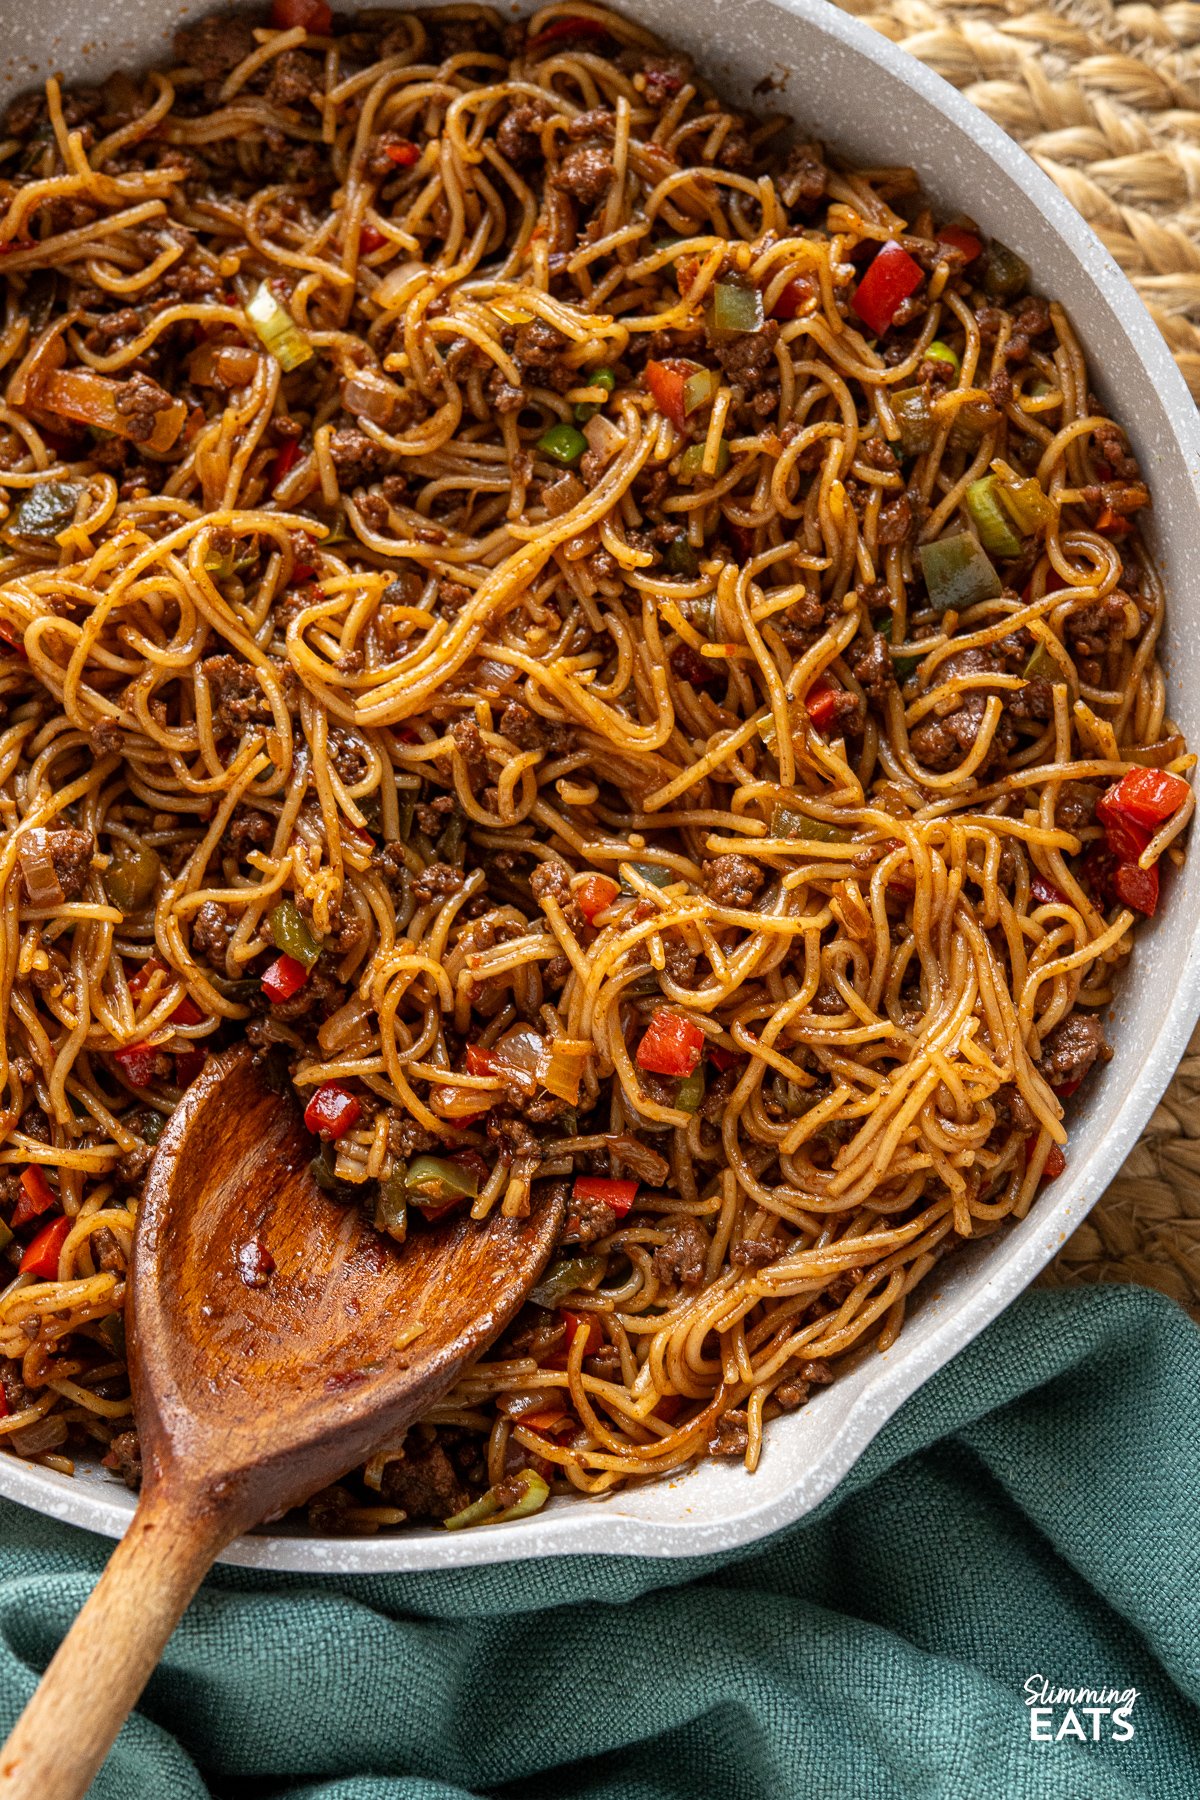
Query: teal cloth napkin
1031,1513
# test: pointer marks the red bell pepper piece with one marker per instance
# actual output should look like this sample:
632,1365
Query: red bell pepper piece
369,238
577,1322
594,894
138,1061
794,297
314,15
284,978
967,243
332,1110
821,704
666,382
42,1253
286,458
560,29
671,1045
480,1061
1045,892
404,155
1148,797
1065,1089
891,278
723,1059
617,1194
12,637
1136,887
1055,1161
139,981
187,1013
37,1197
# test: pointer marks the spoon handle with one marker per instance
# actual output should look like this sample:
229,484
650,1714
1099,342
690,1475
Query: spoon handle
100,1668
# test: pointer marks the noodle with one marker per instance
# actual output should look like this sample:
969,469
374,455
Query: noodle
502,607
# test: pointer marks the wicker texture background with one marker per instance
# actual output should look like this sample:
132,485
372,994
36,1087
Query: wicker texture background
1107,100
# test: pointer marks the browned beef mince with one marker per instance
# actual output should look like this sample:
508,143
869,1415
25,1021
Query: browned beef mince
406,1137
212,928
591,1220
424,1481
1070,1050
1013,1111
586,173
871,666
512,1137
1112,445
214,46
470,745
754,1253
321,995
527,730
139,401
941,742
1121,497
294,77
803,179
518,136
794,1391
730,1436
389,861
356,457
749,359
124,1458
436,882
71,853
733,880
239,699
1076,805
248,829
681,1256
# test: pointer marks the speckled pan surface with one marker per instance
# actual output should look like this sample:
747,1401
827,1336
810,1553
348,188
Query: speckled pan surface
856,91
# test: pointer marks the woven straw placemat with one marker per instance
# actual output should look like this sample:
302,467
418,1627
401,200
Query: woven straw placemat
1107,100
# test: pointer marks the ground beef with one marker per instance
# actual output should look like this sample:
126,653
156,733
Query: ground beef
1123,498
215,45
538,351
470,745
794,1391
1013,1112
897,521
321,995
748,359
518,136
389,862
731,1435
130,1166
71,853
212,929
239,699
356,457
124,1454
941,742
1111,444
512,1137
1069,1051
436,882
527,731
1034,702
586,173
405,1137
590,1220
733,880
802,180
1076,805
247,830
424,1481
1030,320
871,666
294,76
681,1256
139,400
754,1253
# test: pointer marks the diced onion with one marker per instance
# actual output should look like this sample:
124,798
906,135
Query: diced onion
37,867
277,329
561,1076
367,396
341,1027
603,437
398,285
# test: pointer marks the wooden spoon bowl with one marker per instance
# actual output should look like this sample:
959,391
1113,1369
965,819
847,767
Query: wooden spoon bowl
276,1340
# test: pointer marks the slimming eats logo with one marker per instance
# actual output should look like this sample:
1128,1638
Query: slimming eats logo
1087,1714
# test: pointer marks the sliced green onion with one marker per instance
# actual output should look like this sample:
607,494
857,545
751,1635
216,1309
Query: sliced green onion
917,429
487,1510
989,518
699,389
941,352
691,463
1005,275
681,557
323,1168
655,874
433,1180
690,1091
290,932
958,573
562,444
587,409
563,1278
277,329
391,1207
1041,662
735,308
787,823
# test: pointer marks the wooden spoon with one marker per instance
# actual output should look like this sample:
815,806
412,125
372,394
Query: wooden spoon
276,1340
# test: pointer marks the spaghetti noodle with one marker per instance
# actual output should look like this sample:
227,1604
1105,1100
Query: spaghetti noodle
614,647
